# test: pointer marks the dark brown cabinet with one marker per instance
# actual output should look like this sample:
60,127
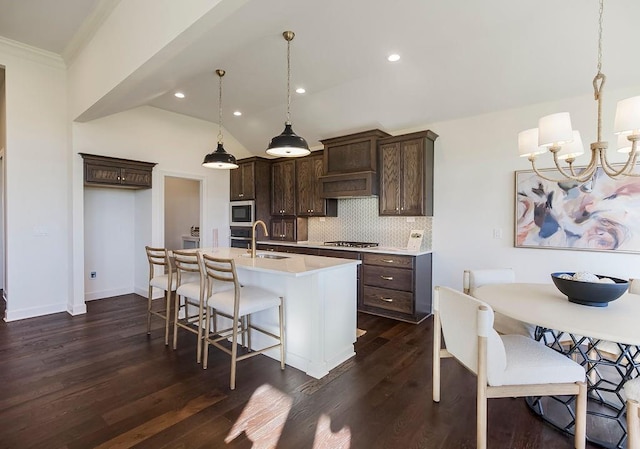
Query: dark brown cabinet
252,181
309,170
283,191
243,181
350,165
406,174
104,171
289,229
396,286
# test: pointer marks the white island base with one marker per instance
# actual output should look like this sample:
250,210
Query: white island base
320,296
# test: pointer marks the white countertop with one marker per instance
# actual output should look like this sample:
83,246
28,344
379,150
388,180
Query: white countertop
321,245
291,265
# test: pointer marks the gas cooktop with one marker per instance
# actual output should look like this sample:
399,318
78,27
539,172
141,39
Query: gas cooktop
351,244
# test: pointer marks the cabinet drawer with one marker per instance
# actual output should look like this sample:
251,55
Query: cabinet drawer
388,277
388,299
388,260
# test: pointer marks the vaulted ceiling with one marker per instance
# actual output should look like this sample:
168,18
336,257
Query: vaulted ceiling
458,58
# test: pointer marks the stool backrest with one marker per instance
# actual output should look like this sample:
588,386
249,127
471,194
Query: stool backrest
187,262
222,270
158,257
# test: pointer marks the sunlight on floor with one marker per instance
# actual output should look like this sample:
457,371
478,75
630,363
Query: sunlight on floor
264,418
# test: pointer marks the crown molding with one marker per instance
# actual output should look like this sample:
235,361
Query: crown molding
88,29
32,53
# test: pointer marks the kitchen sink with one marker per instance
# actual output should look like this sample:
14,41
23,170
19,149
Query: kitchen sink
267,256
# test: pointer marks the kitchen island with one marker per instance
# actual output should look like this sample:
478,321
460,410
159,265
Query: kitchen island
320,295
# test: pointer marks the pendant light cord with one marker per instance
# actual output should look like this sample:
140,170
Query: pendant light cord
288,36
289,81
220,73
598,81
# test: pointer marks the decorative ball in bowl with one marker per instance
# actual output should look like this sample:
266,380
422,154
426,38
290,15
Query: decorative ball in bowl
590,289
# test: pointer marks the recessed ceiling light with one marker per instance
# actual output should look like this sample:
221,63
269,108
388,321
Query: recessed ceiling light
393,58
237,113
300,90
179,95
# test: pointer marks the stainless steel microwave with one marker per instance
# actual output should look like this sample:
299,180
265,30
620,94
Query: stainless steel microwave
242,213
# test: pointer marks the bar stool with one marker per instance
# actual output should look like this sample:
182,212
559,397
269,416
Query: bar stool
632,393
159,259
189,296
238,303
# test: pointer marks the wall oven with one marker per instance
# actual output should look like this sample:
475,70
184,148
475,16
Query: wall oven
240,237
242,213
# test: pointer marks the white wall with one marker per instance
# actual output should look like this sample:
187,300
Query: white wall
177,144
37,182
109,235
475,162
181,209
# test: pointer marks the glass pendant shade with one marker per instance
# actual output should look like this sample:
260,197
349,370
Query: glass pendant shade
627,119
288,144
220,159
555,129
528,143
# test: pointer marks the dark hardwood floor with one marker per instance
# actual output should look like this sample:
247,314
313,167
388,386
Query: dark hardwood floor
98,381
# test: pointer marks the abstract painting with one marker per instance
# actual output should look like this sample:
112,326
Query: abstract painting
602,214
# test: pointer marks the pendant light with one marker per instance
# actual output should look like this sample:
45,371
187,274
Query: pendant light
219,158
288,144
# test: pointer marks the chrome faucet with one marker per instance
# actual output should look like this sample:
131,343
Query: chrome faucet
253,236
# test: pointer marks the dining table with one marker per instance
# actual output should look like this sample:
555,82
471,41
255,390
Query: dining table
605,340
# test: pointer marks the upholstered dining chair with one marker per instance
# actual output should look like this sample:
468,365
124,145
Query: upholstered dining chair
239,303
161,277
189,296
503,324
505,366
632,393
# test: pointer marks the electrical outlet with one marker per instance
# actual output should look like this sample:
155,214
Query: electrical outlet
411,219
93,275
497,233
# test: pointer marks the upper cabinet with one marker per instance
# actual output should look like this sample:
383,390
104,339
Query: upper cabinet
104,171
242,181
406,174
350,165
310,203
252,181
283,191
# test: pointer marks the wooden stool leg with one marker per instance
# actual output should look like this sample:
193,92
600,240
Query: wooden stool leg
167,319
581,416
633,424
149,310
281,312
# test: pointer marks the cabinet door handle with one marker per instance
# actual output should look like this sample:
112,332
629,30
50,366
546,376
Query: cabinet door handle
386,299
387,260
387,278
241,195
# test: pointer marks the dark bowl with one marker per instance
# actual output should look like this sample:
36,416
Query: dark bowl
590,293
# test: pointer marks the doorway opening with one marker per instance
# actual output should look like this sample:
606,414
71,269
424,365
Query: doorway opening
181,213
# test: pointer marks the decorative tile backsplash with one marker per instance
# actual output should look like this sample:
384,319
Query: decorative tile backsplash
358,220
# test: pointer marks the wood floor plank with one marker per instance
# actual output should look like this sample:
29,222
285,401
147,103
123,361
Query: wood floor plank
99,381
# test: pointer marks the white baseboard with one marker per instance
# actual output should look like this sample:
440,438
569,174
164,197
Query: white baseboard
91,296
15,315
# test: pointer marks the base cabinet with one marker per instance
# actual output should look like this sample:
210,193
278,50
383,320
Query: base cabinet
397,286
389,285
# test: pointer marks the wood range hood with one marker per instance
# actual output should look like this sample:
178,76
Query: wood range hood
351,165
